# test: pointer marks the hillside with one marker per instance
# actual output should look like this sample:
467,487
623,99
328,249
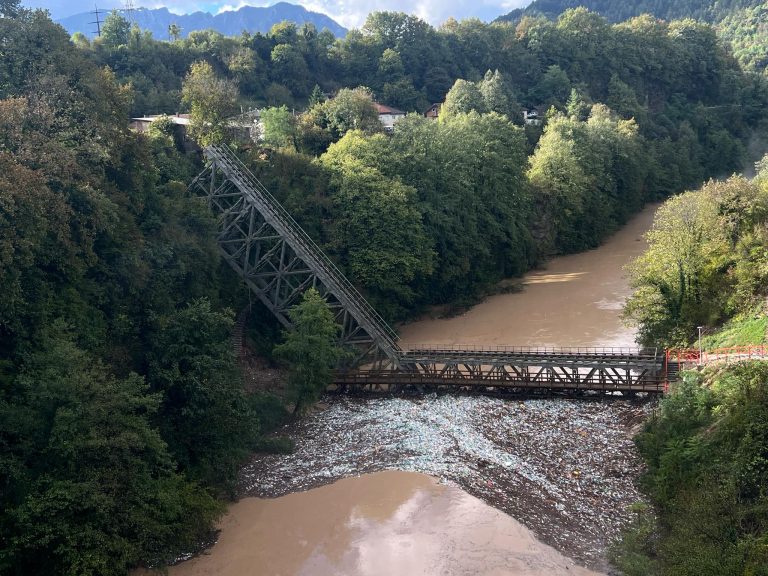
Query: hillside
231,23
742,23
619,10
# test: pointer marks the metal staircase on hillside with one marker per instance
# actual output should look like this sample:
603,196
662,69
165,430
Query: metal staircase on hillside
279,261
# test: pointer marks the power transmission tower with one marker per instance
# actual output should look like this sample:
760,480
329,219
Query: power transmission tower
97,21
129,11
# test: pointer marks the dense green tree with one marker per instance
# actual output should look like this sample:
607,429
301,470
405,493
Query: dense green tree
10,8
588,176
279,126
290,69
211,100
115,30
496,95
390,66
705,453
316,97
702,253
89,486
97,233
205,416
81,40
553,89
378,232
348,110
310,350
577,107
462,98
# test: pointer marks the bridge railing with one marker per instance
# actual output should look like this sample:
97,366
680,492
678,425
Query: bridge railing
316,258
646,383
621,351
690,356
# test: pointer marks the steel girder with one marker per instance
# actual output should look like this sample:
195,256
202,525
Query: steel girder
279,262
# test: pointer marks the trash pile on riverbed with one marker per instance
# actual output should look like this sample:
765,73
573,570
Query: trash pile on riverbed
565,468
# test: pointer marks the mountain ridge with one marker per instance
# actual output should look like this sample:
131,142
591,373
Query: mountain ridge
230,23
618,10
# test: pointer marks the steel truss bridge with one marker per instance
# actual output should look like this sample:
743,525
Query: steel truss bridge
278,261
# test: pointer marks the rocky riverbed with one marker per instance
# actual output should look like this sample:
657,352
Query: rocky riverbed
566,468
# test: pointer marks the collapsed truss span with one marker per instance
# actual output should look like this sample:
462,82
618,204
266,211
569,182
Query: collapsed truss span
279,261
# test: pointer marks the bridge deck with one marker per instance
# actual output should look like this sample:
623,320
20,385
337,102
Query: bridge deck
535,356
556,370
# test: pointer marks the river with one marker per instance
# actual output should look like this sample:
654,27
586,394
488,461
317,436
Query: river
448,485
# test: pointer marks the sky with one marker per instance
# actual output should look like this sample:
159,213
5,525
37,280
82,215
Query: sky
349,13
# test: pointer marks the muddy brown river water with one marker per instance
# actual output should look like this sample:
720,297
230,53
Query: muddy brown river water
575,301
354,498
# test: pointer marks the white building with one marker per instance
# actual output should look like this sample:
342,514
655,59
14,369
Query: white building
388,116
532,117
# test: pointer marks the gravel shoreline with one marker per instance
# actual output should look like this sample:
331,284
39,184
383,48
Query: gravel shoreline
567,469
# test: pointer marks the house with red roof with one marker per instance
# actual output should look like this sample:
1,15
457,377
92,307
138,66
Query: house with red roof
388,116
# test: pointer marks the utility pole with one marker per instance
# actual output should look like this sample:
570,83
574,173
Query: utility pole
700,328
97,21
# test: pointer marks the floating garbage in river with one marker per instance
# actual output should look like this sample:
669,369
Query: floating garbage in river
565,468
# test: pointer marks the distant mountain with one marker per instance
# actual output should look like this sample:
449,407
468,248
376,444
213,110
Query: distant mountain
250,18
620,10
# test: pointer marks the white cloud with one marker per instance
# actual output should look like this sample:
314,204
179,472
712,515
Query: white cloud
350,13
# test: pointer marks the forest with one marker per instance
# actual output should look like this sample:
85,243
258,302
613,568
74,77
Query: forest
123,417
741,23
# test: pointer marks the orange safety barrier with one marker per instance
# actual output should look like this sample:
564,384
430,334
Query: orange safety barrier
682,356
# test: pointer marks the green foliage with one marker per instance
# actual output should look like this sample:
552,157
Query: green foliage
310,350
378,232
741,22
205,415
462,98
738,332
635,554
115,30
90,487
707,473
279,126
211,100
10,8
706,261
97,233
453,189
589,177
350,110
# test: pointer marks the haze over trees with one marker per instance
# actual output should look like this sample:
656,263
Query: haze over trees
122,414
